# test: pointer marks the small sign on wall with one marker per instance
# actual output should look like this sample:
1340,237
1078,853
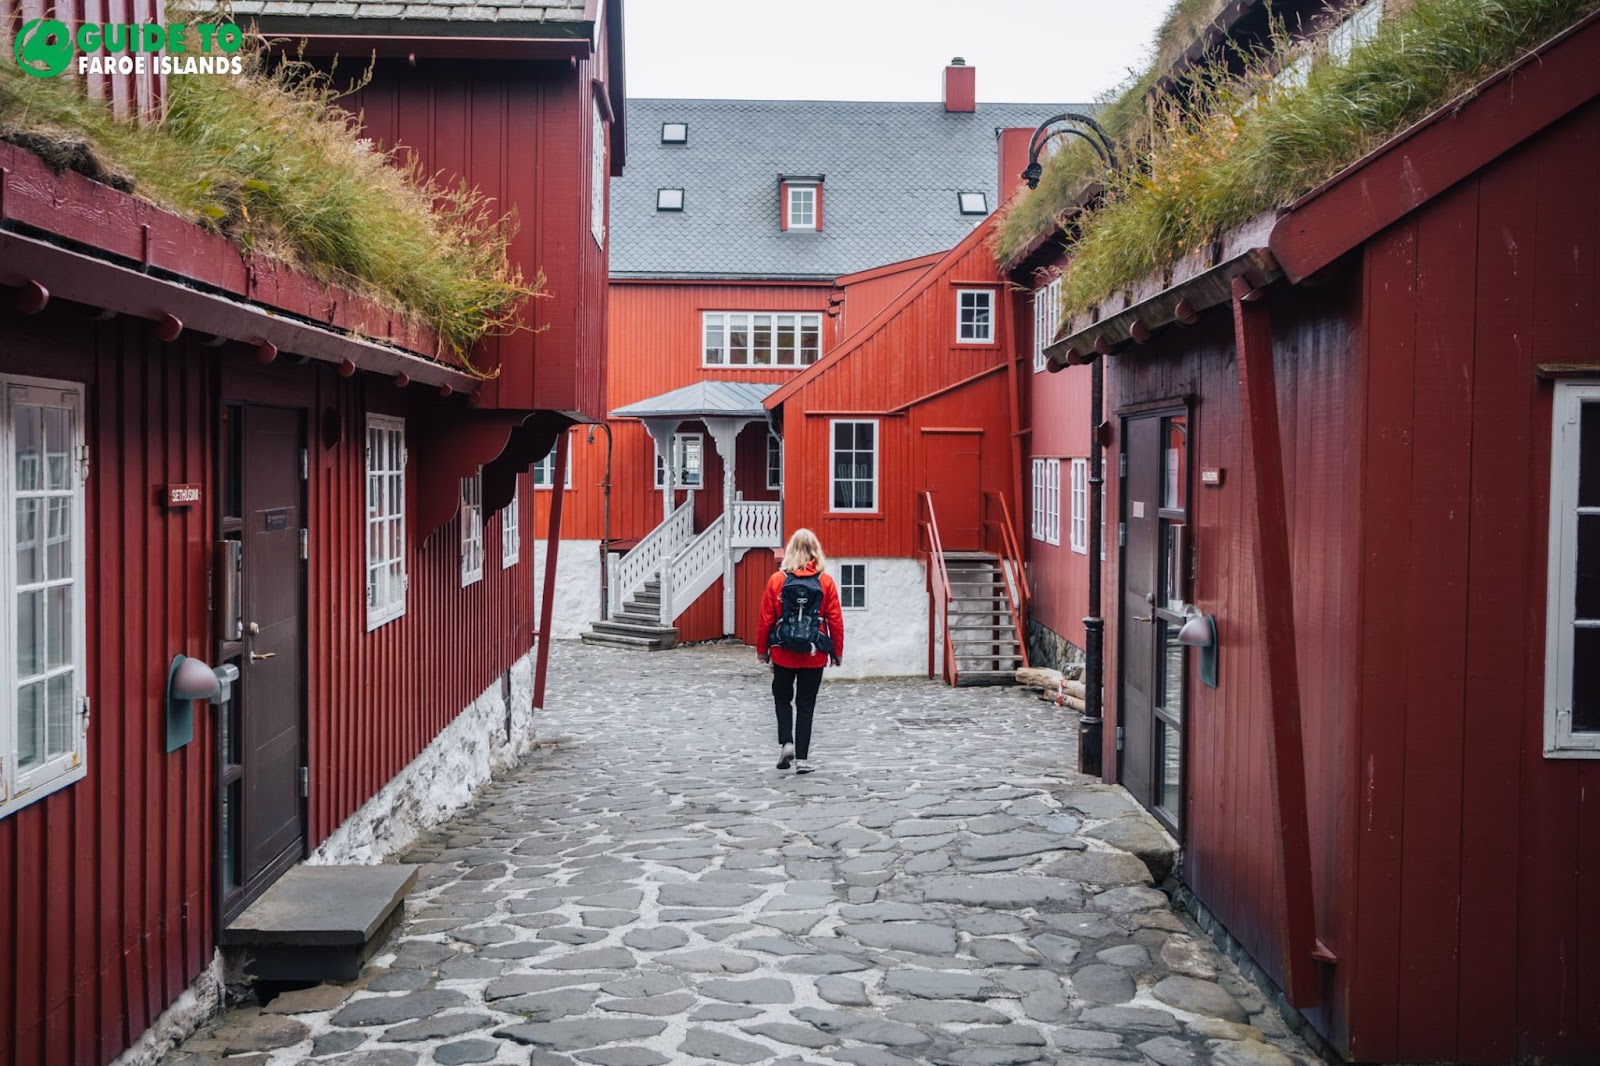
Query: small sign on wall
1211,477
179,495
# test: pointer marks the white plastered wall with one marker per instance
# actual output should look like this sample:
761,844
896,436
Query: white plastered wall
888,637
577,603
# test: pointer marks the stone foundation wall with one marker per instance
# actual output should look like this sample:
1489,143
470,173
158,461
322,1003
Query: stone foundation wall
1048,648
577,602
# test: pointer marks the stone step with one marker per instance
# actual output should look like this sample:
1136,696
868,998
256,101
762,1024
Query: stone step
641,618
318,923
665,636
650,598
617,641
974,678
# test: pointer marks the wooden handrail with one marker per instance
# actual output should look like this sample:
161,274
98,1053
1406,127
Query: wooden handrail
936,562
1013,577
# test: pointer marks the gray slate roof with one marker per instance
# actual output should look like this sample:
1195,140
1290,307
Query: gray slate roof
892,172
725,398
430,10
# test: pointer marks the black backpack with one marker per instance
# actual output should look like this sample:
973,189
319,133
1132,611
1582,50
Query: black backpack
799,627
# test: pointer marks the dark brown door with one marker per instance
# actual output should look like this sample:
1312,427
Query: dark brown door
953,475
1154,587
263,822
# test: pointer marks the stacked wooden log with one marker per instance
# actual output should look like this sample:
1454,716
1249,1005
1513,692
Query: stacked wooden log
1063,689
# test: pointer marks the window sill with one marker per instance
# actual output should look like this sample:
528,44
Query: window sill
377,623
48,788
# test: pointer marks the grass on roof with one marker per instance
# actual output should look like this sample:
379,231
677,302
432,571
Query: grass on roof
269,159
1242,145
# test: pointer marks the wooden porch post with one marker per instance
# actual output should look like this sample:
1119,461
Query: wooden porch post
1258,405
725,435
558,484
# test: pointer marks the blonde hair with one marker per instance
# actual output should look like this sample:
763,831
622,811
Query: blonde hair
804,548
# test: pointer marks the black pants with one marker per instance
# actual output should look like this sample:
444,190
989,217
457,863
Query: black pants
799,688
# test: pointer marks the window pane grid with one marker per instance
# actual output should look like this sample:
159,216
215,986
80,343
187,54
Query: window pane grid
853,585
511,530
1046,320
472,528
1080,505
744,338
853,468
974,316
774,462
802,207
386,580
1572,653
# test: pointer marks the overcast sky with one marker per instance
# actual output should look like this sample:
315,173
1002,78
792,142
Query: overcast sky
1026,51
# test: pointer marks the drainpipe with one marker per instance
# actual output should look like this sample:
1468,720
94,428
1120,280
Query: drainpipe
1091,722
605,529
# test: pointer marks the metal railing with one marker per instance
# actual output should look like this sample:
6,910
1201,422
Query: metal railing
938,593
650,556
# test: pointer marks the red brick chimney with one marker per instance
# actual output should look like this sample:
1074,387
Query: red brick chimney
960,86
1012,148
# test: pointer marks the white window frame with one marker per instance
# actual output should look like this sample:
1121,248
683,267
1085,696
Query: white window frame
774,451
1560,742
961,316
877,446
544,469
794,191
597,176
1039,490
726,323
471,513
393,430
844,569
1046,320
680,450
511,528
1052,501
1356,30
1080,506
19,789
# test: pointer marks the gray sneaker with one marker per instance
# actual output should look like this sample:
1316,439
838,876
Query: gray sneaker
802,767
785,756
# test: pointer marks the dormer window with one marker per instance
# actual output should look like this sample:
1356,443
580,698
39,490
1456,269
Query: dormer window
801,203
674,133
669,199
973,203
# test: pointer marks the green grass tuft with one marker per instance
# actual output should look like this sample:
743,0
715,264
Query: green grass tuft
1240,146
269,158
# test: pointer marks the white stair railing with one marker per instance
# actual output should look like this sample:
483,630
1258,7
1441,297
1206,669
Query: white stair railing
690,572
650,555
757,524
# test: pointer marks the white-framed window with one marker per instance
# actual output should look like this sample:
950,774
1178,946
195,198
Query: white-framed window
1046,320
774,461
973,203
674,133
852,465
386,519
1357,29
975,316
1080,506
597,176
690,450
544,471
853,586
802,206
43,740
1052,501
760,338
511,529
669,199
1572,637
471,529
1040,488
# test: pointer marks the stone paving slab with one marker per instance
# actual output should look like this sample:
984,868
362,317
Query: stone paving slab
647,889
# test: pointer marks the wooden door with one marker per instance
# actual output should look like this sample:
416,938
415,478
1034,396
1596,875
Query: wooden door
952,471
263,812
1152,682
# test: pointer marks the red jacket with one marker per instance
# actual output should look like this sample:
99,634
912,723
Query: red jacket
832,621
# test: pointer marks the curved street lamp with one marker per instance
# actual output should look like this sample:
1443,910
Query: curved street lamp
1099,141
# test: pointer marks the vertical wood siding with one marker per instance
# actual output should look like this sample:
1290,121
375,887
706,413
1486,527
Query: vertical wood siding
1057,420
106,903
131,95
1472,929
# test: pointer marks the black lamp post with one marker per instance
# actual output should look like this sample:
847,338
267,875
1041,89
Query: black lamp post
1091,722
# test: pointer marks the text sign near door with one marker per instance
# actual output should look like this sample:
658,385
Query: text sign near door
178,495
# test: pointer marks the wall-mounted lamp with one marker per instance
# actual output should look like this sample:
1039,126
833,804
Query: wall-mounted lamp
1102,144
189,680
1200,631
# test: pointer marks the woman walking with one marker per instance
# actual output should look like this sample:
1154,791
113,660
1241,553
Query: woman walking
801,629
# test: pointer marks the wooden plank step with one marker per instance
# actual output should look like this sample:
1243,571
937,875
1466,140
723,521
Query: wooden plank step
318,923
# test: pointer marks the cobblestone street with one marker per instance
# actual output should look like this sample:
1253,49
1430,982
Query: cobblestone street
648,889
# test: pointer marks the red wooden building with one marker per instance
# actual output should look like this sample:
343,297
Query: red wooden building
210,455
752,238
1369,459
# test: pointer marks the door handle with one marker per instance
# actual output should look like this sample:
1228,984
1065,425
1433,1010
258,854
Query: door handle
1141,618
257,656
